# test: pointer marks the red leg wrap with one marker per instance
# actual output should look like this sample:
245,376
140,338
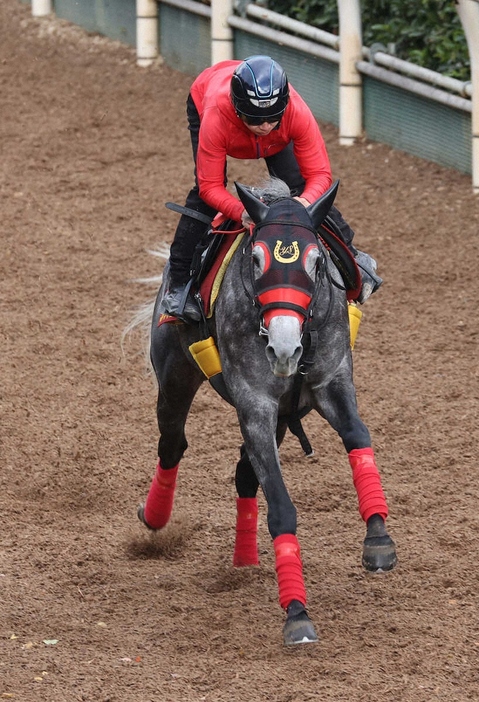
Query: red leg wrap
246,547
367,483
289,570
159,502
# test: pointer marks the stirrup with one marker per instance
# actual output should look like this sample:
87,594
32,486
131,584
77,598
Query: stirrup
179,303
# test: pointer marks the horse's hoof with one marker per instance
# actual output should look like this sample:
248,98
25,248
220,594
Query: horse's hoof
141,516
298,628
379,554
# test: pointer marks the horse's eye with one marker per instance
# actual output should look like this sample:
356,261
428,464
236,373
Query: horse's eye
312,262
258,258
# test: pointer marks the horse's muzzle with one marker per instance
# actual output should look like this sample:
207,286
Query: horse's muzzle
284,348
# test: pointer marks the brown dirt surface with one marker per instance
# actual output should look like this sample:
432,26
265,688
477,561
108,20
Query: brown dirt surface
92,607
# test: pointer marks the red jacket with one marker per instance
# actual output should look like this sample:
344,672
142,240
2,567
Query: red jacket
223,134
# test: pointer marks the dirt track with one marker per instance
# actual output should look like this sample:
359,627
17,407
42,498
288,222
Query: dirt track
91,608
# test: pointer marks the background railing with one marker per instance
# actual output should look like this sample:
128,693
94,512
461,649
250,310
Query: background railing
361,90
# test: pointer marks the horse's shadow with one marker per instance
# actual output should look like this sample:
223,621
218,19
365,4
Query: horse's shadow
172,544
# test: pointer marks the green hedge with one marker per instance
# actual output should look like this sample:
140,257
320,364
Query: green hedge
425,32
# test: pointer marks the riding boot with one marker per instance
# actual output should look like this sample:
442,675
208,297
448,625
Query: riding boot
178,301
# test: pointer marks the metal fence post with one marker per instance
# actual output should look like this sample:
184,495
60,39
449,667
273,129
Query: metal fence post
350,83
146,32
40,8
221,33
468,11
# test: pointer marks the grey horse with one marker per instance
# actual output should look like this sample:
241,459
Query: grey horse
278,339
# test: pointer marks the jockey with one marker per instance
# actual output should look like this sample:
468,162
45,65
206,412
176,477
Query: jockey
248,110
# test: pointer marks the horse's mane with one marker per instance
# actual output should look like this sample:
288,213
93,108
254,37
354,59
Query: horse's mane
270,189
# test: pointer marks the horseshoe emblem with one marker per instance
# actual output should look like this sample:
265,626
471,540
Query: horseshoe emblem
286,254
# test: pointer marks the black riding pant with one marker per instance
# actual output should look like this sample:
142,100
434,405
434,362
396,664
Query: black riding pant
190,231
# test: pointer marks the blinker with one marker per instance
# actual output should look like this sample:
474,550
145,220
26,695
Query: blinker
284,286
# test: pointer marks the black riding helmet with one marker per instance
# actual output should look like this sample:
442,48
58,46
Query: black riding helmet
259,88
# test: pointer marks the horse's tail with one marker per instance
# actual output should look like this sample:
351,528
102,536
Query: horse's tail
141,316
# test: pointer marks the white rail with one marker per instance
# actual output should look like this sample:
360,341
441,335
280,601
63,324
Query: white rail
424,74
414,86
196,8
347,51
293,26
274,35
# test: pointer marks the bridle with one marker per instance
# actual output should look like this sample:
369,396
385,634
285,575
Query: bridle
285,286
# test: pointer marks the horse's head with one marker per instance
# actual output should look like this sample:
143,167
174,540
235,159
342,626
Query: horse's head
286,258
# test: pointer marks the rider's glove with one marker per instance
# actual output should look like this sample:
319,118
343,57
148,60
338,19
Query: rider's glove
246,220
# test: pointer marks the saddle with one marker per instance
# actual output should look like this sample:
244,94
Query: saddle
211,254
210,261
213,249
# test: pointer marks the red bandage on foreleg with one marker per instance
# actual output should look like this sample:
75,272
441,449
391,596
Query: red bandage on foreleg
159,502
367,483
289,570
246,546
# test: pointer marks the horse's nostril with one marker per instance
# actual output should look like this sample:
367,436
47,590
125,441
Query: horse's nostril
270,353
298,353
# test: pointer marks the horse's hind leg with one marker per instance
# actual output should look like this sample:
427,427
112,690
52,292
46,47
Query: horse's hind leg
246,543
155,513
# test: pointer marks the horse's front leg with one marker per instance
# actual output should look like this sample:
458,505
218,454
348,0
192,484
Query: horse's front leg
178,382
246,482
261,452
337,404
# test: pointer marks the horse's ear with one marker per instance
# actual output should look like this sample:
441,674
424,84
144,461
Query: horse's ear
256,209
319,209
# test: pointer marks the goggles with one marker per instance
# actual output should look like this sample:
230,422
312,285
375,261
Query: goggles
257,121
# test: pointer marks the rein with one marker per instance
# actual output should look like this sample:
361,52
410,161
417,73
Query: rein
309,341
232,232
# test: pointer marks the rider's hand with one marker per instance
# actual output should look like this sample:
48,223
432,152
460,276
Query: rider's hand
246,220
303,201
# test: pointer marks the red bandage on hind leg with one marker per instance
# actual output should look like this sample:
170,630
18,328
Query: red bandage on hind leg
246,546
159,502
289,570
367,483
